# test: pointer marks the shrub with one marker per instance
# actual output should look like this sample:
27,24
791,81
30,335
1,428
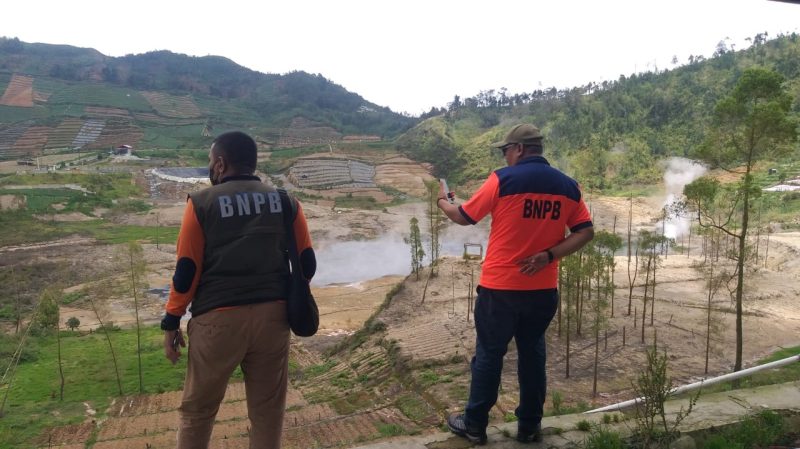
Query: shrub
603,439
558,401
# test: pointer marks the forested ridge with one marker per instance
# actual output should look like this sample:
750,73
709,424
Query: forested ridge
610,134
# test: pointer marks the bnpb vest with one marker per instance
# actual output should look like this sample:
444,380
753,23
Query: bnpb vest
245,257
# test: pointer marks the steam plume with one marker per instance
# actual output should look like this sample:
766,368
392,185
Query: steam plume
680,171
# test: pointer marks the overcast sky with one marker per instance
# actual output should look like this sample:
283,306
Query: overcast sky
410,55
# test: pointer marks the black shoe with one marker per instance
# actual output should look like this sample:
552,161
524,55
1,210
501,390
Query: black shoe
458,426
529,434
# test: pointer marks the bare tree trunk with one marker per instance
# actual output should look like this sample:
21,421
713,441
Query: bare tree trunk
579,298
596,357
60,364
740,267
110,346
644,298
567,358
138,327
708,316
17,301
630,280
758,228
611,267
653,292
561,290
158,226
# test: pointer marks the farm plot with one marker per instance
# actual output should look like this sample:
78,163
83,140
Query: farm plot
404,175
328,173
173,106
65,133
100,95
32,141
149,117
19,92
100,112
8,137
118,132
88,133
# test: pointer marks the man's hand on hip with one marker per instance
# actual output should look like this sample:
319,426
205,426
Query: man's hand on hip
533,264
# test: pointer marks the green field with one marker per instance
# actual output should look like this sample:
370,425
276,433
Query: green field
19,227
33,402
101,95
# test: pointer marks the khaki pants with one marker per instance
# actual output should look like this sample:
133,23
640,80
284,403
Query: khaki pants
253,336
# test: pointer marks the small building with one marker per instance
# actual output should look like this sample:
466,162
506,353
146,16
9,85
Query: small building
123,150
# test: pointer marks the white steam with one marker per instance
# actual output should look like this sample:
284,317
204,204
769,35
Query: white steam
680,171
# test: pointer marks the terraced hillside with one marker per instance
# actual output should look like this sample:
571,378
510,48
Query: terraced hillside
71,116
151,421
63,98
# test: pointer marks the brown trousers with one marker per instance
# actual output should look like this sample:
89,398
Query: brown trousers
253,336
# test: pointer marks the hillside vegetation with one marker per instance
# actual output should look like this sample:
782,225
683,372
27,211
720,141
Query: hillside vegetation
57,97
609,135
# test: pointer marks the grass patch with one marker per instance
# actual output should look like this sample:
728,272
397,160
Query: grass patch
343,380
353,402
413,407
115,191
316,370
761,430
603,439
458,392
33,400
430,377
357,202
391,430
69,298
18,227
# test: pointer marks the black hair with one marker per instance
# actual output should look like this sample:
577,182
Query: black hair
238,149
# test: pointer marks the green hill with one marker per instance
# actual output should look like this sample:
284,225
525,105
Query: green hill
609,135
57,97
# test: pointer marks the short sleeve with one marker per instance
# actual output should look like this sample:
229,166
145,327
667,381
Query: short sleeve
483,201
580,217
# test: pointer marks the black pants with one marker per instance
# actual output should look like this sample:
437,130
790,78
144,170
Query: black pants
501,315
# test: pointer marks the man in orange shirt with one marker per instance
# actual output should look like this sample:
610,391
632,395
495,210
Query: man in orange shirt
532,204
233,268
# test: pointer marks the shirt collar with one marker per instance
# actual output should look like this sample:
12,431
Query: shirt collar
533,160
240,178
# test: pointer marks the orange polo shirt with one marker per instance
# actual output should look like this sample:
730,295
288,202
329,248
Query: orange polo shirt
532,205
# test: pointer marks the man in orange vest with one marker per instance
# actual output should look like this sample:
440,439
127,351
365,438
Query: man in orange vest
233,269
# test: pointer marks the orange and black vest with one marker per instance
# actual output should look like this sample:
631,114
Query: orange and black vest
245,257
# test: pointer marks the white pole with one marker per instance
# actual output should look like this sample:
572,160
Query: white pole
705,382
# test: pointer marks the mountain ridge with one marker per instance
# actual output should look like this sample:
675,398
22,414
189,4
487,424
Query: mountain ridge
171,100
